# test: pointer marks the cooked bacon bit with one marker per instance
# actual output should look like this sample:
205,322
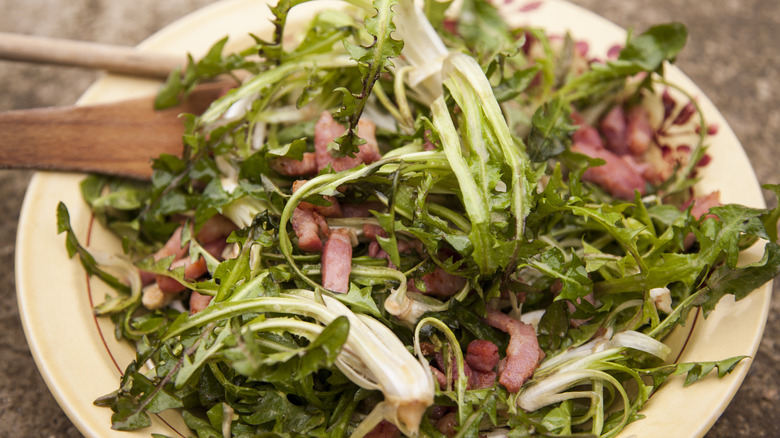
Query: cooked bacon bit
427,348
371,231
213,231
375,250
361,210
440,283
482,379
705,160
199,302
172,247
438,411
668,102
384,429
614,51
307,165
530,6
585,133
441,379
215,228
308,225
639,130
448,424
702,204
326,130
337,261
685,114
523,353
613,127
616,176
192,270
482,355
332,210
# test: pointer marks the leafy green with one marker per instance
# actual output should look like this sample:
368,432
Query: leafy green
477,204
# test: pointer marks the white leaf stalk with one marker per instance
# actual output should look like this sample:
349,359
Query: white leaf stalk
423,50
586,364
372,357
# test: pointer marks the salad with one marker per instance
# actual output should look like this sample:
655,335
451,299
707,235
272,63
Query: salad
420,222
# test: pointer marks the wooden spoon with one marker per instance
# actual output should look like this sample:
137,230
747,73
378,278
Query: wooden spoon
117,138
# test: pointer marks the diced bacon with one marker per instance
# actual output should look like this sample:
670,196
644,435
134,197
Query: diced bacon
585,133
172,247
332,210
639,131
616,176
438,411
306,166
215,228
448,424
384,429
199,302
702,204
440,283
482,355
613,128
371,231
482,379
326,130
361,210
337,261
441,379
523,353
170,285
308,226
375,250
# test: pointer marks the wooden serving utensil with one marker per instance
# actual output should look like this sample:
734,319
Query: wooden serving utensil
117,138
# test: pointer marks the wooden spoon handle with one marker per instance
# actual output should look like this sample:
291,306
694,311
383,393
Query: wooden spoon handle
116,138
116,59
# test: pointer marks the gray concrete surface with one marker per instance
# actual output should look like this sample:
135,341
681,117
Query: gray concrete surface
733,55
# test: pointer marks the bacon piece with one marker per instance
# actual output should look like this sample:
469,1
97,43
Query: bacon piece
361,210
439,283
371,231
192,270
585,133
482,355
702,204
616,176
639,131
306,166
447,424
384,429
523,353
332,210
482,379
199,302
613,127
326,130
308,225
441,379
215,228
337,261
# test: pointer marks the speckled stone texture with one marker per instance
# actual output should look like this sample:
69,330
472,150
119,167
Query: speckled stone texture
733,55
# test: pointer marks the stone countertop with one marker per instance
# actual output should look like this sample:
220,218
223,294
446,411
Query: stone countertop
732,55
